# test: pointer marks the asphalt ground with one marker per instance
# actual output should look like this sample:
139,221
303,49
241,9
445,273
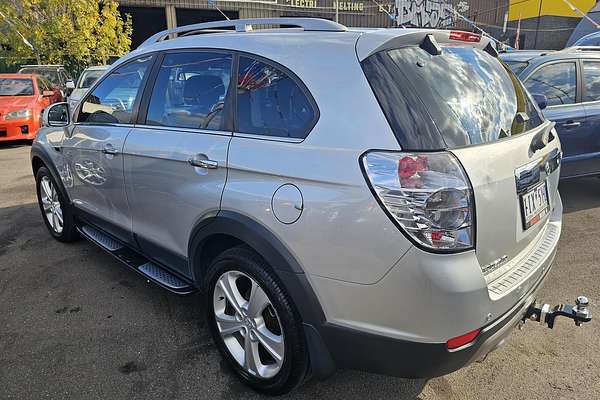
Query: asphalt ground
75,324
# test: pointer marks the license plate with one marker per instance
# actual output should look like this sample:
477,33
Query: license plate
534,205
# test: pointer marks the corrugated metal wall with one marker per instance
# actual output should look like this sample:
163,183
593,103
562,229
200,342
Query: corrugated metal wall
368,14
371,13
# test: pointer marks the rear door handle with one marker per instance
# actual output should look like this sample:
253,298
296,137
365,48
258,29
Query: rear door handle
202,161
571,124
110,149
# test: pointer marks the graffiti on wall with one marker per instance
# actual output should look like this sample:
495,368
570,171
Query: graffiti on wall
425,13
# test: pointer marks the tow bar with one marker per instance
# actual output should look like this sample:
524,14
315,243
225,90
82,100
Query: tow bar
545,315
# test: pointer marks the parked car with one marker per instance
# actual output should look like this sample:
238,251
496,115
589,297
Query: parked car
23,97
56,74
570,81
84,82
396,215
518,60
591,39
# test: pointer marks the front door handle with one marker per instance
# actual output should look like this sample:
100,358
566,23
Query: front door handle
202,161
571,124
110,149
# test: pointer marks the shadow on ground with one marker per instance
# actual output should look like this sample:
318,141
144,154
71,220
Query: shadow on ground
580,194
75,323
14,144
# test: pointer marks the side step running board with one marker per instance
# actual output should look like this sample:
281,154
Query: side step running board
158,274
151,270
101,239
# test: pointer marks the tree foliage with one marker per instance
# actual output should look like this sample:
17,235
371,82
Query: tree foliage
75,33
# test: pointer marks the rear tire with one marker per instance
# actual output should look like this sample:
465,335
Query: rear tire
272,336
56,211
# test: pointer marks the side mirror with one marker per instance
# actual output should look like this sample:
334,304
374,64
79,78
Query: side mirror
56,114
47,93
70,85
540,99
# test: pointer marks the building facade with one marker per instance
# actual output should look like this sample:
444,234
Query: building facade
151,16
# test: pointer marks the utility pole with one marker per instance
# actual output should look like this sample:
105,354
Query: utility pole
337,11
537,25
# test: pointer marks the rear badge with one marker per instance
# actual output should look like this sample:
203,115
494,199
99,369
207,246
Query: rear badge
494,265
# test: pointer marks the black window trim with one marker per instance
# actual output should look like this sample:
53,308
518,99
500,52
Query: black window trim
138,99
230,112
297,81
578,83
142,115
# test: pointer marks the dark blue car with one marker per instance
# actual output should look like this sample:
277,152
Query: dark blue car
570,80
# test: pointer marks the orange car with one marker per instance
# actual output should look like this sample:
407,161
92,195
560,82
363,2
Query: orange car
23,97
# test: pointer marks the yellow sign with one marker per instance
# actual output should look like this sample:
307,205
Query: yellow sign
558,8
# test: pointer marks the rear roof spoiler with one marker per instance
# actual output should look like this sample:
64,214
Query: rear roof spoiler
373,42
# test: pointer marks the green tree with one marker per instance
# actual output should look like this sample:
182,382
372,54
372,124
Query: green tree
76,33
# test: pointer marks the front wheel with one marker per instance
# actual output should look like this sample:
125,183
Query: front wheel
54,207
253,322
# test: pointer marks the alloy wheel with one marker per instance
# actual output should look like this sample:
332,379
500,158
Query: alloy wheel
51,204
248,324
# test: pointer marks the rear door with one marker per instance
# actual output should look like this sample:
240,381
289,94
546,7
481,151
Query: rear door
176,157
94,149
558,81
589,159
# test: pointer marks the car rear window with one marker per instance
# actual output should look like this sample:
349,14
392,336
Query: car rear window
51,75
88,78
16,87
461,97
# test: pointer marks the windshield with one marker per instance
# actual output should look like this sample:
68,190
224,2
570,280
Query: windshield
88,78
470,96
51,75
16,87
516,66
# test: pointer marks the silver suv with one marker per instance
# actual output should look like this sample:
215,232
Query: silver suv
376,199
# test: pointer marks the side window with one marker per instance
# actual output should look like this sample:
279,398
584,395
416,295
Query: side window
591,80
41,85
190,90
113,99
557,81
64,76
270,103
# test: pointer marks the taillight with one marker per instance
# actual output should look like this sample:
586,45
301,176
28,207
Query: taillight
427,194
465,36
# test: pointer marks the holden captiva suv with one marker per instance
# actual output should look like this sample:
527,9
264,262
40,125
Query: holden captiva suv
376,199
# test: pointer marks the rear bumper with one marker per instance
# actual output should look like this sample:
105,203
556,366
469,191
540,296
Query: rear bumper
399,326
354,349
18,129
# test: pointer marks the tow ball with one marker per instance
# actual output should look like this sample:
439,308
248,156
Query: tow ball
579,313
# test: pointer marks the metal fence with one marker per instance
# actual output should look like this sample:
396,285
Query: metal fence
12,64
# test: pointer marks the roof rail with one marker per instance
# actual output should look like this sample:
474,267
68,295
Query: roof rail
581,48
245,25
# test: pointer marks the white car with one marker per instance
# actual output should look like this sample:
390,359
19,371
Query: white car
85,81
